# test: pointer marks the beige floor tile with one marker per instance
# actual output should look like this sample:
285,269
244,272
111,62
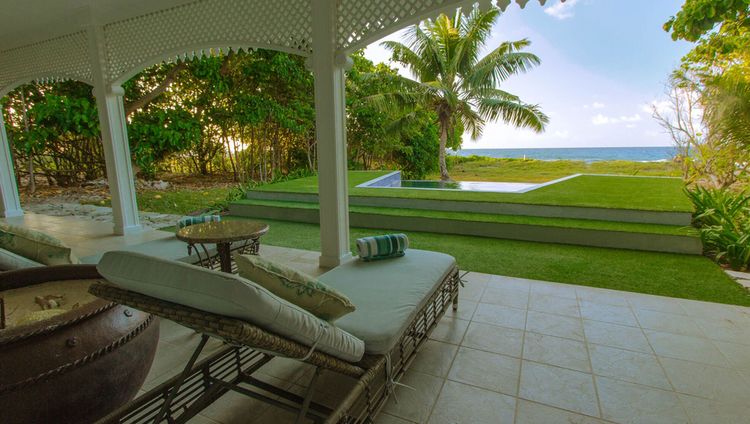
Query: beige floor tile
200,419
499,295
727,330
553,289
169,361
459,403
170,331
705,411
685,347
656,303
450,330
275,416
487,370
608,297
738,355
390,419
608,313
716,383
554,325
435,358
554,304
492,338
330,388
563,388
709,310
668,323
630,338
477,278
416,401
471,291
235,408
536,413
500,315
286,369
509,282
634,367
557,351
465,310
628,403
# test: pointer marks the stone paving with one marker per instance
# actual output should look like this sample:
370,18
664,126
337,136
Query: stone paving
149,220
517,351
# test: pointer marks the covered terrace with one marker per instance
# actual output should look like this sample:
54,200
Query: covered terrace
515,351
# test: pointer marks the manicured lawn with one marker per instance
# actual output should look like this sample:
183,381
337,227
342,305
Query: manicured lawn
684,276
495,218
178,202
622,192
476,168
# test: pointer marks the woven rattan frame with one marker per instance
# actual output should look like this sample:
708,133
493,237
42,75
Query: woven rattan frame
372,374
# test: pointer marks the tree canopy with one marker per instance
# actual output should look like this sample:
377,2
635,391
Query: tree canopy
452,81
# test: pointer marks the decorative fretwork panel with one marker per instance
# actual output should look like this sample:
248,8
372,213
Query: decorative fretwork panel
361,22
58,58
285,26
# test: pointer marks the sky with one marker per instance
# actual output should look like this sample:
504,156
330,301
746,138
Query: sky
604,63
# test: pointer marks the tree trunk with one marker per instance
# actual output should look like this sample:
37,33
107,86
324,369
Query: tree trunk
32,178
441,154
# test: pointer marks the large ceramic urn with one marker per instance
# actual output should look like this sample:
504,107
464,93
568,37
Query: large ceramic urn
72,363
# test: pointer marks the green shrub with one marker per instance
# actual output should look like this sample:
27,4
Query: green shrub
723,220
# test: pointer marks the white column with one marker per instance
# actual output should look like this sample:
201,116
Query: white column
330,129
10,204
113,126
114,130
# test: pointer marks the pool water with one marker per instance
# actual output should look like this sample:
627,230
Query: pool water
497,187
393,180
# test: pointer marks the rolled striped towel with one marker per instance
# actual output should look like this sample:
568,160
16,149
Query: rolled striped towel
382,247
187,221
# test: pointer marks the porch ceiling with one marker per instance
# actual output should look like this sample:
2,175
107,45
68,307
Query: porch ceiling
41,39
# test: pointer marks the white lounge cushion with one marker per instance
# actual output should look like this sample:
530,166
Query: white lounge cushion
388,294
229,295
10,261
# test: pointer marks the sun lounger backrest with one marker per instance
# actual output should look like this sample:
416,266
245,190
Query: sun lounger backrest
228,295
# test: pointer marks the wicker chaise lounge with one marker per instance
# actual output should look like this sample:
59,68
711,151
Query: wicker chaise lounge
398,302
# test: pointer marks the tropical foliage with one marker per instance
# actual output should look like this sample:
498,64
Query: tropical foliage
723,218
451,79
246,114
708,115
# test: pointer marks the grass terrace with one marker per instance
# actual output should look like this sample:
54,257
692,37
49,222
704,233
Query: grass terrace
664,274
600,191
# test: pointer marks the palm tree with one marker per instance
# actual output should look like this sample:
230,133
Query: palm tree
454,82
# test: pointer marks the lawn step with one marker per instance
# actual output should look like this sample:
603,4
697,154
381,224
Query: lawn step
538,210
648,237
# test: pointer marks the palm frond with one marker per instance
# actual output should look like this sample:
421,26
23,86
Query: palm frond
474,31
516,113
500,64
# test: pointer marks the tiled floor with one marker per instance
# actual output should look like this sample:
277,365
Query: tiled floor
520,351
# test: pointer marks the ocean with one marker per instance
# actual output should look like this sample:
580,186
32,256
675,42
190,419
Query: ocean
586,154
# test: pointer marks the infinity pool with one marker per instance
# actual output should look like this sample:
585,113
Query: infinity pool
393,180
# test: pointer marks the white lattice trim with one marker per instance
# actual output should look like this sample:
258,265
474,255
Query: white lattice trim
362,22
137,43
60,58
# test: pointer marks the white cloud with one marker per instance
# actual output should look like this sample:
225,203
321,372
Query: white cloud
562,134
661,106
561,10
595,105
600,119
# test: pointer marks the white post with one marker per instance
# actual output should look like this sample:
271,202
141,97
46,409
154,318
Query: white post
330,129
113,126
10,204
